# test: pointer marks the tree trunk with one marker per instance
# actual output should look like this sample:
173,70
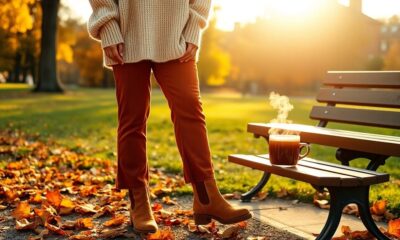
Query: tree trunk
17,68
48,79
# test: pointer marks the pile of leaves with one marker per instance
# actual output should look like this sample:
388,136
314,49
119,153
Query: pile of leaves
53,190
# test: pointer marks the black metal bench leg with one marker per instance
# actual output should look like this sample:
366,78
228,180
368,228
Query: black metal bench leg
335,213
369,223
366,218
246,197
340,197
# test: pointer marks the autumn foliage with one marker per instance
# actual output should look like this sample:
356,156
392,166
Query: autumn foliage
54,190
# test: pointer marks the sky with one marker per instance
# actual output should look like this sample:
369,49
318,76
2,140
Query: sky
244,11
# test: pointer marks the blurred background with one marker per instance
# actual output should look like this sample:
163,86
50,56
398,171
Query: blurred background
250,47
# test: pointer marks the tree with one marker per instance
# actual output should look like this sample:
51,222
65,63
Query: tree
47,79
392,57
214,62
17,25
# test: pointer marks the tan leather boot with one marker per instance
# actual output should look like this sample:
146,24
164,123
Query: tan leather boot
141,215
210,204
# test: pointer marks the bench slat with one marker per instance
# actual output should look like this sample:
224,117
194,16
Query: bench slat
365,79
299,172
361,97
375,118
371,143
367,177
305,173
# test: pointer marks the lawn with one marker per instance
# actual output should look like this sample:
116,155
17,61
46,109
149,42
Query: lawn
86,119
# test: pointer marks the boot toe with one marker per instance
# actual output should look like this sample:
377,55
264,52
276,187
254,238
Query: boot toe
146,227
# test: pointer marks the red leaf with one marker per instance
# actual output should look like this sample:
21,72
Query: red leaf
156,207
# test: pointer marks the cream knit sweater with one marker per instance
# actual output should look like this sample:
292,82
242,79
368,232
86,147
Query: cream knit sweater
156,30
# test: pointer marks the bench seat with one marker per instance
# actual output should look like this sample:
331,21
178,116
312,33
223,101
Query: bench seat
312,171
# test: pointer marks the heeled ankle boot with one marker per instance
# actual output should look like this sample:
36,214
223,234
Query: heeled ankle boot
210,204
141,214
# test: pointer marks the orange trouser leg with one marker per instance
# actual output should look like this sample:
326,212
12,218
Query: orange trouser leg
133,89
180,85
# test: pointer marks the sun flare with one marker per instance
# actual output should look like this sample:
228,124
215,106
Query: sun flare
236,11
231,11
294,8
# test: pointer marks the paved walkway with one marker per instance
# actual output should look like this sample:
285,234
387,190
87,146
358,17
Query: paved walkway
301,219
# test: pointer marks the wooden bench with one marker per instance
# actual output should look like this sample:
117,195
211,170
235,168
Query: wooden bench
370,99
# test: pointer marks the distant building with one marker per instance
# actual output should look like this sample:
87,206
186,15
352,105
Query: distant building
365,25
390,34
290,54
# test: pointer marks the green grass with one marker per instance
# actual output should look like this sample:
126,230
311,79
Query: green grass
87,119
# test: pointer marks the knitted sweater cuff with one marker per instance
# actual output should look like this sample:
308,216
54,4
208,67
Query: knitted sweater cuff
191,33
110,34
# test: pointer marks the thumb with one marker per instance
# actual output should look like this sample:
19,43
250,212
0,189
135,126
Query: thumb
121,49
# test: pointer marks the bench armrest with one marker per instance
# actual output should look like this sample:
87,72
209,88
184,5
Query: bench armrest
358,141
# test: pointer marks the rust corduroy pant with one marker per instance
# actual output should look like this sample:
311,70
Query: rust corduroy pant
180,85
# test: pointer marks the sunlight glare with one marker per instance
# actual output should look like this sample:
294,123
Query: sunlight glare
294,8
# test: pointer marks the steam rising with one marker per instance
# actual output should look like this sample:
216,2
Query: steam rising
282,104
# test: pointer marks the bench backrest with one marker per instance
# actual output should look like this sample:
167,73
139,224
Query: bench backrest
369,98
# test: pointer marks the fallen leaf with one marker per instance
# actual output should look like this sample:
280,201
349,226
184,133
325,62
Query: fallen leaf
23,210
192,227
86,208
323,204
165,214
54,198
346,230
351,209
56,229
261,196
234,195
172,221
167,200
156,207
84,223
282,193
41,235
69,224
116,220
379,207
230,232
45,213
161,234
37,198
24,224
66,206
394,227
112,233
81,237
106,209
242,224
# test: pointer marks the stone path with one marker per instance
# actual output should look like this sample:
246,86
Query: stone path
301,219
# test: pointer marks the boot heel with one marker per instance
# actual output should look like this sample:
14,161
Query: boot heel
201,219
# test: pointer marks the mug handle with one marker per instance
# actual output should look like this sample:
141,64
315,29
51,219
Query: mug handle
307,146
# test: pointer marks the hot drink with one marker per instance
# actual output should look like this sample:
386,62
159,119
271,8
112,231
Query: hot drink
285,149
